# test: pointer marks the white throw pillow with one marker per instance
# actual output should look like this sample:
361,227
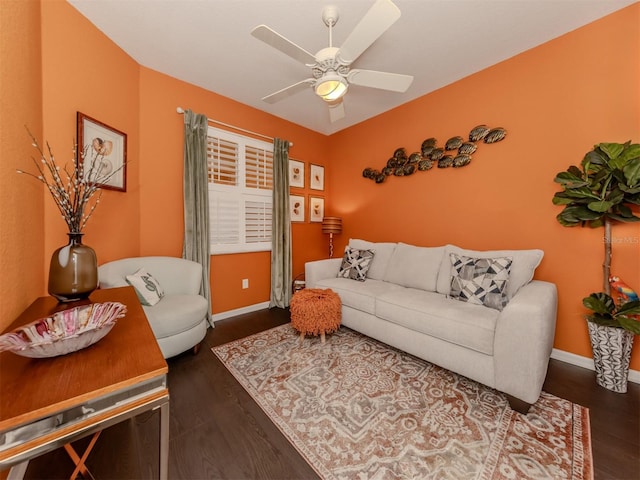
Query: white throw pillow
380,261
523,266
147,288
415,267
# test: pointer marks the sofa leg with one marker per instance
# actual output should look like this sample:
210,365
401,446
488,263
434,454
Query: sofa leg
518,405
196,348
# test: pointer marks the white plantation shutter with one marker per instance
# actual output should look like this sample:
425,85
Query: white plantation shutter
257,216
225,219
222,159
259,168
240,187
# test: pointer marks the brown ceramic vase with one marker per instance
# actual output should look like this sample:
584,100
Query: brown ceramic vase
73,272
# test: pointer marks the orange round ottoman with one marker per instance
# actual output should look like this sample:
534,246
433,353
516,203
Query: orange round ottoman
315,311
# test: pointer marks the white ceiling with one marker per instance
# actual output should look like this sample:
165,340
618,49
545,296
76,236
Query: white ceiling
208,43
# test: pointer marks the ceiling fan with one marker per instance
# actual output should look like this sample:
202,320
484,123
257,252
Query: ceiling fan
331,66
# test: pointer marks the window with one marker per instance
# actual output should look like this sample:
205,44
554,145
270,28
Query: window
240,174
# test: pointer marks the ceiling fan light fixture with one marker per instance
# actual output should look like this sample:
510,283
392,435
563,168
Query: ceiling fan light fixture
331,87
331,66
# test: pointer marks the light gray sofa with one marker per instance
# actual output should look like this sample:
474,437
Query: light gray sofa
405,302
178,320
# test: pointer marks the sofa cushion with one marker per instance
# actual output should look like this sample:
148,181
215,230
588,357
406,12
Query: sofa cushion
465,324
358,295
481,281
147,288
355,264
380,262
163,316
523,266
415,267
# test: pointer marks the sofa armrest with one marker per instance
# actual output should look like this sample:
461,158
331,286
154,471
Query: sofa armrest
523,342
320,270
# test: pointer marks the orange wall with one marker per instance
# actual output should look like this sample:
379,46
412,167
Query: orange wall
161,169
556,101
85,71
21,198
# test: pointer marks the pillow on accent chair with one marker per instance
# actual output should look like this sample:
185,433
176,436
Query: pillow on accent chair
147,288
355,264
481,281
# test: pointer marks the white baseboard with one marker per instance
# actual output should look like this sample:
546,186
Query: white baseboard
239,311
586,362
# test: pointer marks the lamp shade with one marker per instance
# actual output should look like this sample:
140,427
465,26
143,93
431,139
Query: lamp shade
331,225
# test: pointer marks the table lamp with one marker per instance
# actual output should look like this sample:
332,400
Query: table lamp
331,225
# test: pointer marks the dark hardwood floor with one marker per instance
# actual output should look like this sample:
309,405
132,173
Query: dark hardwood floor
218,432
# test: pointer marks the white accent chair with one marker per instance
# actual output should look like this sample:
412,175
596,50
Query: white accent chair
179,319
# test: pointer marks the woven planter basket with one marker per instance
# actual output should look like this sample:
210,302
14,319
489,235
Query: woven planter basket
611,355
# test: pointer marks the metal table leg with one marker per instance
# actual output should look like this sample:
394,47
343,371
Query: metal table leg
164,441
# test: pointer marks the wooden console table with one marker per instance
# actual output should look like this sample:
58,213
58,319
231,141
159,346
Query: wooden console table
48,403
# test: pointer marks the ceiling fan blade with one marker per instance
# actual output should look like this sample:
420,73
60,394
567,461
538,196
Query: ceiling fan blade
383,80
375,22
336,111
277,41
288,91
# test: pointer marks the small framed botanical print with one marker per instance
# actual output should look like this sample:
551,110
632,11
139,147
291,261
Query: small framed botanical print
316,209
317,177
296,205
296,174
103,152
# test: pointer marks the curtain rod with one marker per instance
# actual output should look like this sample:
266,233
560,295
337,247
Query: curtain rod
181,110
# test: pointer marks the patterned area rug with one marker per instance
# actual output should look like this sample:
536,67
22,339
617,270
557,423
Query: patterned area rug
358,409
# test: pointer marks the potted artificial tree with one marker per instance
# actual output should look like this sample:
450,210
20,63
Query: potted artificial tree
602,191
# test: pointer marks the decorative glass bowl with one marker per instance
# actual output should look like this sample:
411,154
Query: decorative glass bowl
63,332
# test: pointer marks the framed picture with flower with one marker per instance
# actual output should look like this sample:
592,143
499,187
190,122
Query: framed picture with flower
316,209
317,177
102,153
296,204
296,174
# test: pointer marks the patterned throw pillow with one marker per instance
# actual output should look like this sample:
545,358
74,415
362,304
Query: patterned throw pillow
147,288
355,264
482,281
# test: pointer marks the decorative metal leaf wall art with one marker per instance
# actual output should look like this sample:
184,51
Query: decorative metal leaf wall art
494,135
453,143
478,133
445,161
430,155
467,148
